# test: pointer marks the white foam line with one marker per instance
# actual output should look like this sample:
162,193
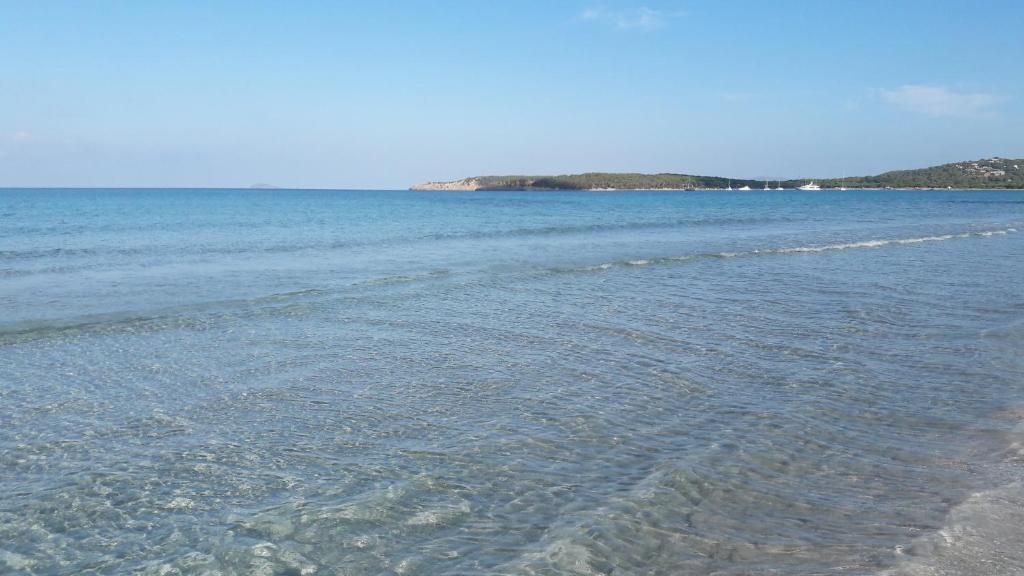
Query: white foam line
879,243
809,249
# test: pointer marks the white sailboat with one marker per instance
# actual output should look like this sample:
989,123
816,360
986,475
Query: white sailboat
730,184
766,188
744,188
842,183
810,186
778,185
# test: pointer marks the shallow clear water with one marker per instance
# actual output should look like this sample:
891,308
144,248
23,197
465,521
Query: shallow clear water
322,382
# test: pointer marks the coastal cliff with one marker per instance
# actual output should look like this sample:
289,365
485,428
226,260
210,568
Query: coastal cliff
464,184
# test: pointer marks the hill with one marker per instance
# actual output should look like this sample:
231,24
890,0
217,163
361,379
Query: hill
985,173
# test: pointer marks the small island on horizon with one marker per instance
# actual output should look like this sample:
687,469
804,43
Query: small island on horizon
989,173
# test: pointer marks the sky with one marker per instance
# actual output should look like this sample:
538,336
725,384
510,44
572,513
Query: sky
379,94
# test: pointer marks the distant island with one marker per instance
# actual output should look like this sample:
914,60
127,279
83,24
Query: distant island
986,173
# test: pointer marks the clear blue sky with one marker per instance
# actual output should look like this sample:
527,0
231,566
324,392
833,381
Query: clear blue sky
385,94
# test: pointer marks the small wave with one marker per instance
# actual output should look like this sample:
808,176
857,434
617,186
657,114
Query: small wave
195,315
986,201
63,252
402,278
981,535
171,317
604,227
878,243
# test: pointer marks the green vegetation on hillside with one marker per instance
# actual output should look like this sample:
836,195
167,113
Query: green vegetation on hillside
986,173
606,180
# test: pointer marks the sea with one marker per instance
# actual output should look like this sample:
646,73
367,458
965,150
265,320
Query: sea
298,382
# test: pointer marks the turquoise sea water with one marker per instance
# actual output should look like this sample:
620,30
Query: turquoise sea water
342,382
